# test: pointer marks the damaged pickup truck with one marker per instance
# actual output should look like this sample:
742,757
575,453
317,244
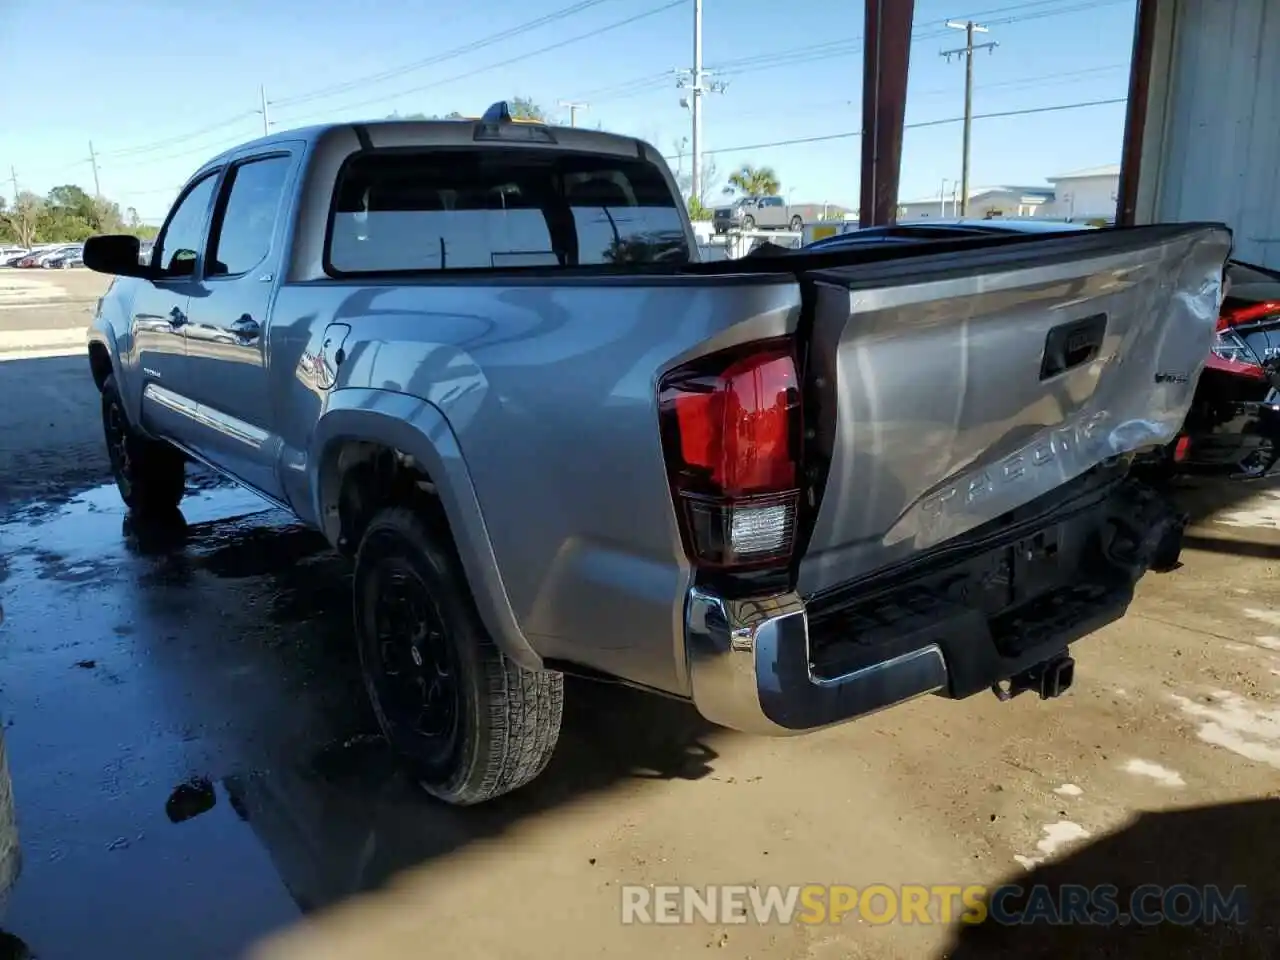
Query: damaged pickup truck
482,358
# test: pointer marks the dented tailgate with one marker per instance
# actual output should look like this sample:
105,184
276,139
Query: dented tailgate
958,386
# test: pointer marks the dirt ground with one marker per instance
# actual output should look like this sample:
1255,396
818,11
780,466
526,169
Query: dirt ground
195,768
48,299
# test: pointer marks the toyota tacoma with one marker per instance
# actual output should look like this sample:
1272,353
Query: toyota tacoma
481,356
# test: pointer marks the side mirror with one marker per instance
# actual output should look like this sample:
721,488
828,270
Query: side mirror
116,254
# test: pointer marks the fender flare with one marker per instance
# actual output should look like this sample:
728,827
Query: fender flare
101,333
420,430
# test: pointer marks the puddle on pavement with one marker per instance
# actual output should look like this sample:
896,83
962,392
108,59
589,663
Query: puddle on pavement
193,753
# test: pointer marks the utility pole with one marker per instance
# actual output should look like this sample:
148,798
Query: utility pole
266,120
695,80
93,161
969,28
13,179
573,109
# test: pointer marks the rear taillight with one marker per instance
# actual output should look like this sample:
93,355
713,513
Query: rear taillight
731,436
1230,352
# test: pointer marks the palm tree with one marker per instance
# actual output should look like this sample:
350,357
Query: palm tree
752,181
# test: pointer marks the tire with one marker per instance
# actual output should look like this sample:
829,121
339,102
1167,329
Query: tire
797,223
748,223
471,724
150,474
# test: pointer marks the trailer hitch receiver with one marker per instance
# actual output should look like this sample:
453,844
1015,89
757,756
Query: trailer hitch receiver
1050,678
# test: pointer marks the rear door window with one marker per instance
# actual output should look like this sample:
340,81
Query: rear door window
497,209
243,228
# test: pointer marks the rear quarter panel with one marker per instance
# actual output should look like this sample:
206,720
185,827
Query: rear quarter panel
550,391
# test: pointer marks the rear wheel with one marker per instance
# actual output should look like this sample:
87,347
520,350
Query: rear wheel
797,223
471,723
150,474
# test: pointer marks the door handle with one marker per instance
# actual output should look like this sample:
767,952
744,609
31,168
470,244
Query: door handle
176,317
246,329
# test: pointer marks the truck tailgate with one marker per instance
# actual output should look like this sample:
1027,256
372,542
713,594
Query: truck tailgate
952,387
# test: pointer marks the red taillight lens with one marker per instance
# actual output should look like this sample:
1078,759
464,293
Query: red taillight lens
731,434
1254,311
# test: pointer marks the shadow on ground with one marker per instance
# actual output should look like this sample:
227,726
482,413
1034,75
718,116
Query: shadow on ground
1224,846
208,665
1206,500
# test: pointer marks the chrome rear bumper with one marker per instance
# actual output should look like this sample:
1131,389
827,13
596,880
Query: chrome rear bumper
957,624
750,670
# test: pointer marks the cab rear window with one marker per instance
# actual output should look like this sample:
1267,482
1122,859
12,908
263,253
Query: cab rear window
457,209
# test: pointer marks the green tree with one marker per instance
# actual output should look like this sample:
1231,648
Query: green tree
698,210
749,181
23,220
522,108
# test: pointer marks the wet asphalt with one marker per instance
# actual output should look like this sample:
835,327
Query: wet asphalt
193,758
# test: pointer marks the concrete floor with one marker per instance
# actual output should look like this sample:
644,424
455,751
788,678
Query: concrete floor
195,767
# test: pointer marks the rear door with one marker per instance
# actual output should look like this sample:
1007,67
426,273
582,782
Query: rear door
950,388
228,315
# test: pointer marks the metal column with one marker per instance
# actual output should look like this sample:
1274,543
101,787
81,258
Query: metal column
886,57
1135,120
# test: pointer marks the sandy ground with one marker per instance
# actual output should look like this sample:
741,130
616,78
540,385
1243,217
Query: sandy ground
47,300
195,770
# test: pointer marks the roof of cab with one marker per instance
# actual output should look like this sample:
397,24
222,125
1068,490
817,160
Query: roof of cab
497,113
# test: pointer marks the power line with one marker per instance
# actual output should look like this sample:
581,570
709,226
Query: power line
471,47
812,53
1035,9
919,125
178,138
161,144
617,24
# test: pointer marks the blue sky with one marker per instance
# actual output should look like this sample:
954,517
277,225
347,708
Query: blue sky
161,85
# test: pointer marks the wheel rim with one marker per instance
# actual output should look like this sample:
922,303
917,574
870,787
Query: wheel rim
117,430
414,670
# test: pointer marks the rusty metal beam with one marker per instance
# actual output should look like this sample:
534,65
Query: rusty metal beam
885,60
1135,120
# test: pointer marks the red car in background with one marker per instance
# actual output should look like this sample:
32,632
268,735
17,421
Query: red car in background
1233,427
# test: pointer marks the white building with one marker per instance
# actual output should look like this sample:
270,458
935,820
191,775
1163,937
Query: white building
999,201
1086,194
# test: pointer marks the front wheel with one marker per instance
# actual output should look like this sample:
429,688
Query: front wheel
748,223
472,724
150,474
797,223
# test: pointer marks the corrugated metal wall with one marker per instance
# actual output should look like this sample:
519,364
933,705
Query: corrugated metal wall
1219,146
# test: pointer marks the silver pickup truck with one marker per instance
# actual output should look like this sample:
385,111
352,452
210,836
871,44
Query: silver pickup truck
482,358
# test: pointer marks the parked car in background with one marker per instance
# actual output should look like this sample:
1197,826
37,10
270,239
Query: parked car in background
39,257
757,213
65,259
9,255
1233,427
552,441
